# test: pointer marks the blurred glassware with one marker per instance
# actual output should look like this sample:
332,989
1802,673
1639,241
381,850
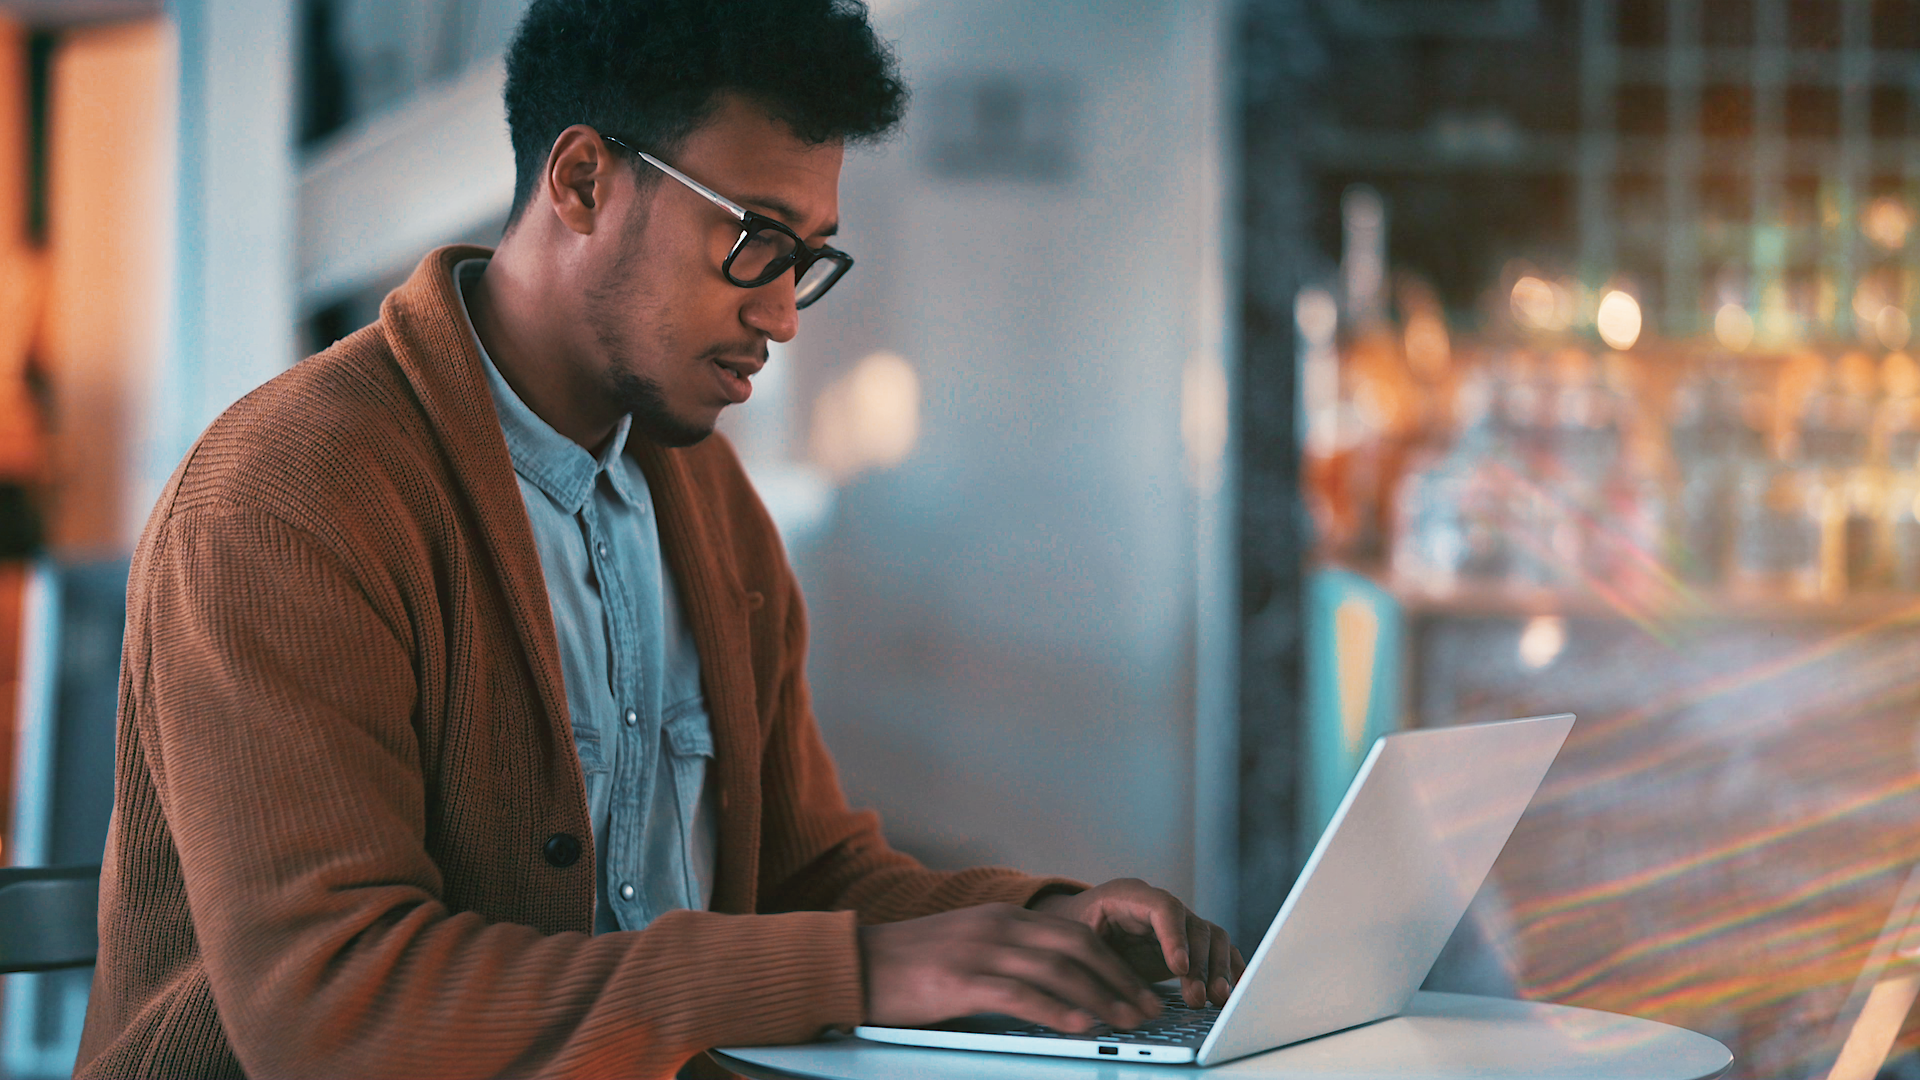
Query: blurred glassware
1777,517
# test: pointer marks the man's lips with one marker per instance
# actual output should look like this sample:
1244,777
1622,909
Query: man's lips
733,375
745,368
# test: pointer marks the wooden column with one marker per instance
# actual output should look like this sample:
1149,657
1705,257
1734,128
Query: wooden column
110,210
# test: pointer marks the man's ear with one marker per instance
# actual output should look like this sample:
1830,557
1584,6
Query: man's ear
579,170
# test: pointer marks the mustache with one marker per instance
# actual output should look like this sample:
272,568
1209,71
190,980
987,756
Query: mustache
755,351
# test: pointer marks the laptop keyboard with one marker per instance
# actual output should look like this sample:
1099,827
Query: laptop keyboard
1179,1025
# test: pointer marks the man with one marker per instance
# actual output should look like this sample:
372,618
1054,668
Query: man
464,727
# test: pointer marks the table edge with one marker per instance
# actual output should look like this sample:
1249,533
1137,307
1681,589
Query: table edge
757,1071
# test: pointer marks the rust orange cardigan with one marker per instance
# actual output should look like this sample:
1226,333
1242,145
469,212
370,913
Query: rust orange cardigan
343,750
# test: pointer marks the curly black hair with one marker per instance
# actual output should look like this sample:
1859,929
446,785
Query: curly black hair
648,71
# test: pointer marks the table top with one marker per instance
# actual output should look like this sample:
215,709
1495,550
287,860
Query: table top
1438,1037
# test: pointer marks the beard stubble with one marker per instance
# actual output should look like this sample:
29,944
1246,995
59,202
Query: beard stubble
630,390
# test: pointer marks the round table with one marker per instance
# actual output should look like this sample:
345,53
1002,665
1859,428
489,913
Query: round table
1438,1037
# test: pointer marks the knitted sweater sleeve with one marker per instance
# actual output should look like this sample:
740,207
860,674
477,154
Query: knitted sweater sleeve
819,854
274,704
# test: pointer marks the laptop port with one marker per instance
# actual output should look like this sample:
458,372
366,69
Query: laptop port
1110,1050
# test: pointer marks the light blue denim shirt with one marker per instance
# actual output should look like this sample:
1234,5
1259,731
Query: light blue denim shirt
633,677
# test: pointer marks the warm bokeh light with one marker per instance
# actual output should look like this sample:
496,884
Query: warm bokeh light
1428,348
1777,324
1534,303
1618,320
1542,641
1317,315
1900,375
1867,302
1887,222
1733,327
1892,327
870,418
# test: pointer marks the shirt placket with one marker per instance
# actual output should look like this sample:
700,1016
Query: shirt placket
635,727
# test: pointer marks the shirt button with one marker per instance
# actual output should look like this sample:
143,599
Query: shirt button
626,892
631,717
601,547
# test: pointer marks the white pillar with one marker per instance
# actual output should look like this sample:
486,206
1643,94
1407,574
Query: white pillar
233,325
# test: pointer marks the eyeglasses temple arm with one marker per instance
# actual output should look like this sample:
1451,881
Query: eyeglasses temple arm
699,188
704,191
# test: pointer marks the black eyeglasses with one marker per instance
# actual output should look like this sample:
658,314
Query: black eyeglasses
766,249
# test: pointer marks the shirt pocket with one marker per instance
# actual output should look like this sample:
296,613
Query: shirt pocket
689,730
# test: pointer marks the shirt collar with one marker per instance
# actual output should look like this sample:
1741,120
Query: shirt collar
547,459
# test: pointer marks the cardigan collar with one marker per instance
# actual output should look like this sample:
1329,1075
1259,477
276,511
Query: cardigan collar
427,331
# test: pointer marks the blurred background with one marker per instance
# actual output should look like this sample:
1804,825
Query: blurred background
1223,383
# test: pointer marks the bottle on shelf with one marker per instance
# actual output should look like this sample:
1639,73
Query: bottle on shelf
1897,438
1716,434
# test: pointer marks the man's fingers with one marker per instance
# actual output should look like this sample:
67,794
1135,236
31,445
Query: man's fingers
1194,982
1075,941
1043,968
1170,921
1220,973
1018,998
1144,921
1068,980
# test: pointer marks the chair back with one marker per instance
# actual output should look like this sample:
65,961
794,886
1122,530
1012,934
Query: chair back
48,917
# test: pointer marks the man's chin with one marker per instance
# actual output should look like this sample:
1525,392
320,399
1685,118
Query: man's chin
655,420
670,431
680,439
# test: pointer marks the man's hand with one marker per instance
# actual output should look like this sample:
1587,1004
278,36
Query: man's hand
999,958
1157,935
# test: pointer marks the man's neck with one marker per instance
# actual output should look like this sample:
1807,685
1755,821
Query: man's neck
509,315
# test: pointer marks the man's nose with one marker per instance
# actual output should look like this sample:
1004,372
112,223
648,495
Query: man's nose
770,309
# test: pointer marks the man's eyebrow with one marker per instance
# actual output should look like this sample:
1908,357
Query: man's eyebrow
786,213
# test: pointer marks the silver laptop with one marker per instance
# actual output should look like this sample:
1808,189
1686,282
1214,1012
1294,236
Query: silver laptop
1383,890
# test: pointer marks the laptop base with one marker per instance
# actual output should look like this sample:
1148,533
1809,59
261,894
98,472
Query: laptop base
1056,1046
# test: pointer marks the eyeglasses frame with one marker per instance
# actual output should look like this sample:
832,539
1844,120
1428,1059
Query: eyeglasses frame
799,261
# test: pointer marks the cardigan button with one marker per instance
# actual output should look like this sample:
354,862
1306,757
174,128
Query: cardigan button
562,850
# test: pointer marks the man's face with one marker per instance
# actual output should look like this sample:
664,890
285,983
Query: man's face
677,341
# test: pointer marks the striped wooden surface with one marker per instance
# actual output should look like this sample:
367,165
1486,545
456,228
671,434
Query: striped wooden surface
1724,836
